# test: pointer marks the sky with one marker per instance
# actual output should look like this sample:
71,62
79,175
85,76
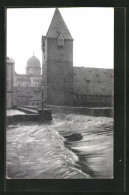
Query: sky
91,28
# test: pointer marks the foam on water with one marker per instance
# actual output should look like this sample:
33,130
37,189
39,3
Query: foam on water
38,151
44,151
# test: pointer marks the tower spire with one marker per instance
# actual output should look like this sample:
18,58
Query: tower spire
58,26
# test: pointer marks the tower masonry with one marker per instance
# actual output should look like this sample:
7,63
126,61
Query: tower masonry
57,51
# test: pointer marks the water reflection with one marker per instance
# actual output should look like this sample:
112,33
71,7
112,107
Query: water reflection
69,147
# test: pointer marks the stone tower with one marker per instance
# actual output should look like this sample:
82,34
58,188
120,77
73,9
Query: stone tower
57,54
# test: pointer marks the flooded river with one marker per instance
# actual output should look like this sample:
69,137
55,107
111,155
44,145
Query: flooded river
68,147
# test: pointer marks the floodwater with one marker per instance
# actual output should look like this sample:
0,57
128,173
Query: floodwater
68,147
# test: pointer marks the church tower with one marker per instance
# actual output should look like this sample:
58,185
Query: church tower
57,54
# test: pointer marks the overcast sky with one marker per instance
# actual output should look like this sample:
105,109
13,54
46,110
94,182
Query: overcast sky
91,28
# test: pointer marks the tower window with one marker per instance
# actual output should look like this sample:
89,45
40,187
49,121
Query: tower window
60,41
60,46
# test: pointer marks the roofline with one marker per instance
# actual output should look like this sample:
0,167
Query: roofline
93,68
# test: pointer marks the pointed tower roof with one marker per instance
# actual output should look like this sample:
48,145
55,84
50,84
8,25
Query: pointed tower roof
58,26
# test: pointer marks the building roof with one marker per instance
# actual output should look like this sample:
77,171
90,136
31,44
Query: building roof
93,81
58,26
33,62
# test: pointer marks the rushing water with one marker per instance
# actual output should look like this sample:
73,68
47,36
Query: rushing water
69,147
12,112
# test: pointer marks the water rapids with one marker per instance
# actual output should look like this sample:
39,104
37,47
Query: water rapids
69,147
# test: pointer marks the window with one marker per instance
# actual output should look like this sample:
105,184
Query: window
60,46
60,41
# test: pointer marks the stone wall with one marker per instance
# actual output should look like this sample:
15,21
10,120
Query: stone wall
81,110
93,100
54,53
46,115
60,84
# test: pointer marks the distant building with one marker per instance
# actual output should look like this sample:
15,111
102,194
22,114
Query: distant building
9,82
33,77
28,86
23,95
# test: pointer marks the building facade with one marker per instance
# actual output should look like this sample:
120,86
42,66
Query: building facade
27,87
9,82
22,96
33,77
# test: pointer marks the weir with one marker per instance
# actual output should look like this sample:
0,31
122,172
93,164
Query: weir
90,111
34,114
29,114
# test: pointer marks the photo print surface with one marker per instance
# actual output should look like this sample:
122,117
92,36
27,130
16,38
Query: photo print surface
59,93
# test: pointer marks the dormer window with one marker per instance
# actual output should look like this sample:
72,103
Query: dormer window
60,41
